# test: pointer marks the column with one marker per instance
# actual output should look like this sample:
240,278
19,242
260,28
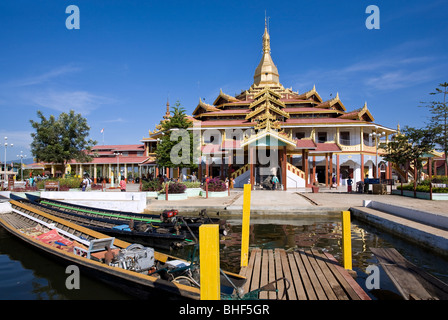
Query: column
200,169
326,169
362,167
314,170
331,168
222,167
306,169
338,170
94,173
284,174
229,164
251,162
303,160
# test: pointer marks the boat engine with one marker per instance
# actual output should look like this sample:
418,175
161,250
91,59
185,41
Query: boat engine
136,258
169,216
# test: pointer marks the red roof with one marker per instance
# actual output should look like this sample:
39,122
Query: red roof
305,144
319,121
120,147
211,149
230,144
326,147
121,160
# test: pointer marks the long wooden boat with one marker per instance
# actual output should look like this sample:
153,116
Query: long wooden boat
160,238
185,223
138,270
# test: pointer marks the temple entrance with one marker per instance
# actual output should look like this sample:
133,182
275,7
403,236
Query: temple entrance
264,175
320,172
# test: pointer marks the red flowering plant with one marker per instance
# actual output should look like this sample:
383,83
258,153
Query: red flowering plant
174,187
216,184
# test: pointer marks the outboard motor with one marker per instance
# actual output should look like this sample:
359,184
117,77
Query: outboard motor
136,258
169,216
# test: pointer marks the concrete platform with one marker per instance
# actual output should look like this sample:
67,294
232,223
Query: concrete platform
430,237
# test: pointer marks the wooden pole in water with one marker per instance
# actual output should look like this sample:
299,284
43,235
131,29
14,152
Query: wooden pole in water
346,240
166,191
209,262
245,227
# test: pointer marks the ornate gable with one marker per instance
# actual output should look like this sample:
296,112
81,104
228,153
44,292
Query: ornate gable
311,95
362,114
224,98
203,107
334,104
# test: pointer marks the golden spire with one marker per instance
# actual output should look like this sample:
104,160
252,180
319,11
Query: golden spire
167,114
266,72
266,38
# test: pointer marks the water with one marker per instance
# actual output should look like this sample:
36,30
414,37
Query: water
27,275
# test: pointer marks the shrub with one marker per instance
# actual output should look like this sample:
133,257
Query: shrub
64,183
174,187
216,184
435,179
190,184
153,185
423,188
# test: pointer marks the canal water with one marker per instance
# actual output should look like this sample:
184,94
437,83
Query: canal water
27,275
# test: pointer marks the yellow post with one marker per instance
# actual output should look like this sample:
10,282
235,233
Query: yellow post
209,262
245,227
346,240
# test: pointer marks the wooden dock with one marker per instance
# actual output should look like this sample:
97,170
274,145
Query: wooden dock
309,274
412,282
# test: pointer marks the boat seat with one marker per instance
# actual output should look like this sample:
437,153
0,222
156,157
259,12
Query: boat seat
97,248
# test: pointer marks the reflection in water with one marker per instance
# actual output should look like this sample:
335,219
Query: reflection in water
325,233
25,274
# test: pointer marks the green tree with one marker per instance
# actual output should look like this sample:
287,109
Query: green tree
439,119
176,148
61,140
410,146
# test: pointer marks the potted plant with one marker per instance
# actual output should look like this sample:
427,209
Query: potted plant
216,188
176,191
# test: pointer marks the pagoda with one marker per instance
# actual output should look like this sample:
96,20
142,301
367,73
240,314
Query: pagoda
308,140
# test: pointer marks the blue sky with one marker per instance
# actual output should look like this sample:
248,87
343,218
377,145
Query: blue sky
129,57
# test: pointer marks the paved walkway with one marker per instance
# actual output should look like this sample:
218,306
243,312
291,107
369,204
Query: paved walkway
293,202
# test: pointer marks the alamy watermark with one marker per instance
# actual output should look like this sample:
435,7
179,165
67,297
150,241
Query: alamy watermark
209,143
73,20
73,280
373,20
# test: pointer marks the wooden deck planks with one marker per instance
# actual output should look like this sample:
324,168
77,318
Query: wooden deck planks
310,274
411,281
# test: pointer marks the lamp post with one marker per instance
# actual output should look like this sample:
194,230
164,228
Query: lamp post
377,136
6,146
21,156
118,166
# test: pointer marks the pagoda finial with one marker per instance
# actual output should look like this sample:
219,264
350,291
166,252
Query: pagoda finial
266,38
265,20
167,113
266,72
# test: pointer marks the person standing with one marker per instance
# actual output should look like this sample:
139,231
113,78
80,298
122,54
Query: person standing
274,182
349,185
123,185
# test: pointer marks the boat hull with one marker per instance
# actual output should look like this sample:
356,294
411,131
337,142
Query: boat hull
140,285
